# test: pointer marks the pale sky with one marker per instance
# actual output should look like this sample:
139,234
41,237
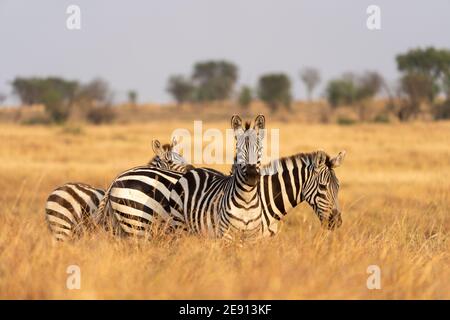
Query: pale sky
138,44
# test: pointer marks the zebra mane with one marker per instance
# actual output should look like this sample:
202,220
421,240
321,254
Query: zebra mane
276,165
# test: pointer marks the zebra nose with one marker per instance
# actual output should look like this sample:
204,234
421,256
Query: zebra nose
252,174
335,219
251,169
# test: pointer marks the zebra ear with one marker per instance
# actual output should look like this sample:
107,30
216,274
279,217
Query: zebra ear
174,142
236,125
259,126
337,161
260,122
156,146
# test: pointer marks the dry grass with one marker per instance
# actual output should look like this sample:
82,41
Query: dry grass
395,187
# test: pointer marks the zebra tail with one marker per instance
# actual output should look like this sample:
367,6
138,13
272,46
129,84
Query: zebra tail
99,218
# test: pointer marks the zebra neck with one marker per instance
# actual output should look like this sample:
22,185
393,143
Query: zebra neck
281,188
241,189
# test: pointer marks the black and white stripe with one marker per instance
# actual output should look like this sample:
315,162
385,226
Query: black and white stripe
309,177
166,157
212,204
72,208
137,198
69,206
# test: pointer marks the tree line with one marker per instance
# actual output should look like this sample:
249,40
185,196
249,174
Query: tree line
424,86
62,97
425,75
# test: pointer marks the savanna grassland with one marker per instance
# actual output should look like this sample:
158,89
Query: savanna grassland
395,196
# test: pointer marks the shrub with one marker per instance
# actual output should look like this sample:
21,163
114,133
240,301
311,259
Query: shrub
72,130
382,118
346,121
442,111
100,115
37,119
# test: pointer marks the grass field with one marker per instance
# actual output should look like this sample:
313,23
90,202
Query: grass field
395,196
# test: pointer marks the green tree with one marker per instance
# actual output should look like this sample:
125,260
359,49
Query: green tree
430,63
181,89
368,85
132,97
350,88
275,90
95,92
55,93
95,100
214,80
340,91
245,97
311,78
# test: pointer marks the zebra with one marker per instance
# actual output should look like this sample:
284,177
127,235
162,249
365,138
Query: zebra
70,205
135,199
166,158
310,177
215,205
70,208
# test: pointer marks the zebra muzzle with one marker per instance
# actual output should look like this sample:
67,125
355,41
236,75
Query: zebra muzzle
252,174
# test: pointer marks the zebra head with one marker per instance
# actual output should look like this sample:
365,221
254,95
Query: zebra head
167,158
321,188
249,143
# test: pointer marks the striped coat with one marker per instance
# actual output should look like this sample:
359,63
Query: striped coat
69,206
309,177
72,208
212,204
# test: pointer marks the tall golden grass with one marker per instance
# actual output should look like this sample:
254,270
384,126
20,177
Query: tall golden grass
395,185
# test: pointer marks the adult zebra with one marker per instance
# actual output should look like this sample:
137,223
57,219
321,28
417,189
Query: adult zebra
134,201
284,183
207,202
309,177
70,208
70,205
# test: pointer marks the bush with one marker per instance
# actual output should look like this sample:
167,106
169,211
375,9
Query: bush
382,118
346,121
442,111
351,88
100,115
37,119
72,130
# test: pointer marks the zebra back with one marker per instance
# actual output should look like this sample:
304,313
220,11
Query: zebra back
134,200
69,209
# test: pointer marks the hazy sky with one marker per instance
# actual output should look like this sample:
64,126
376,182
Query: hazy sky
137,44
